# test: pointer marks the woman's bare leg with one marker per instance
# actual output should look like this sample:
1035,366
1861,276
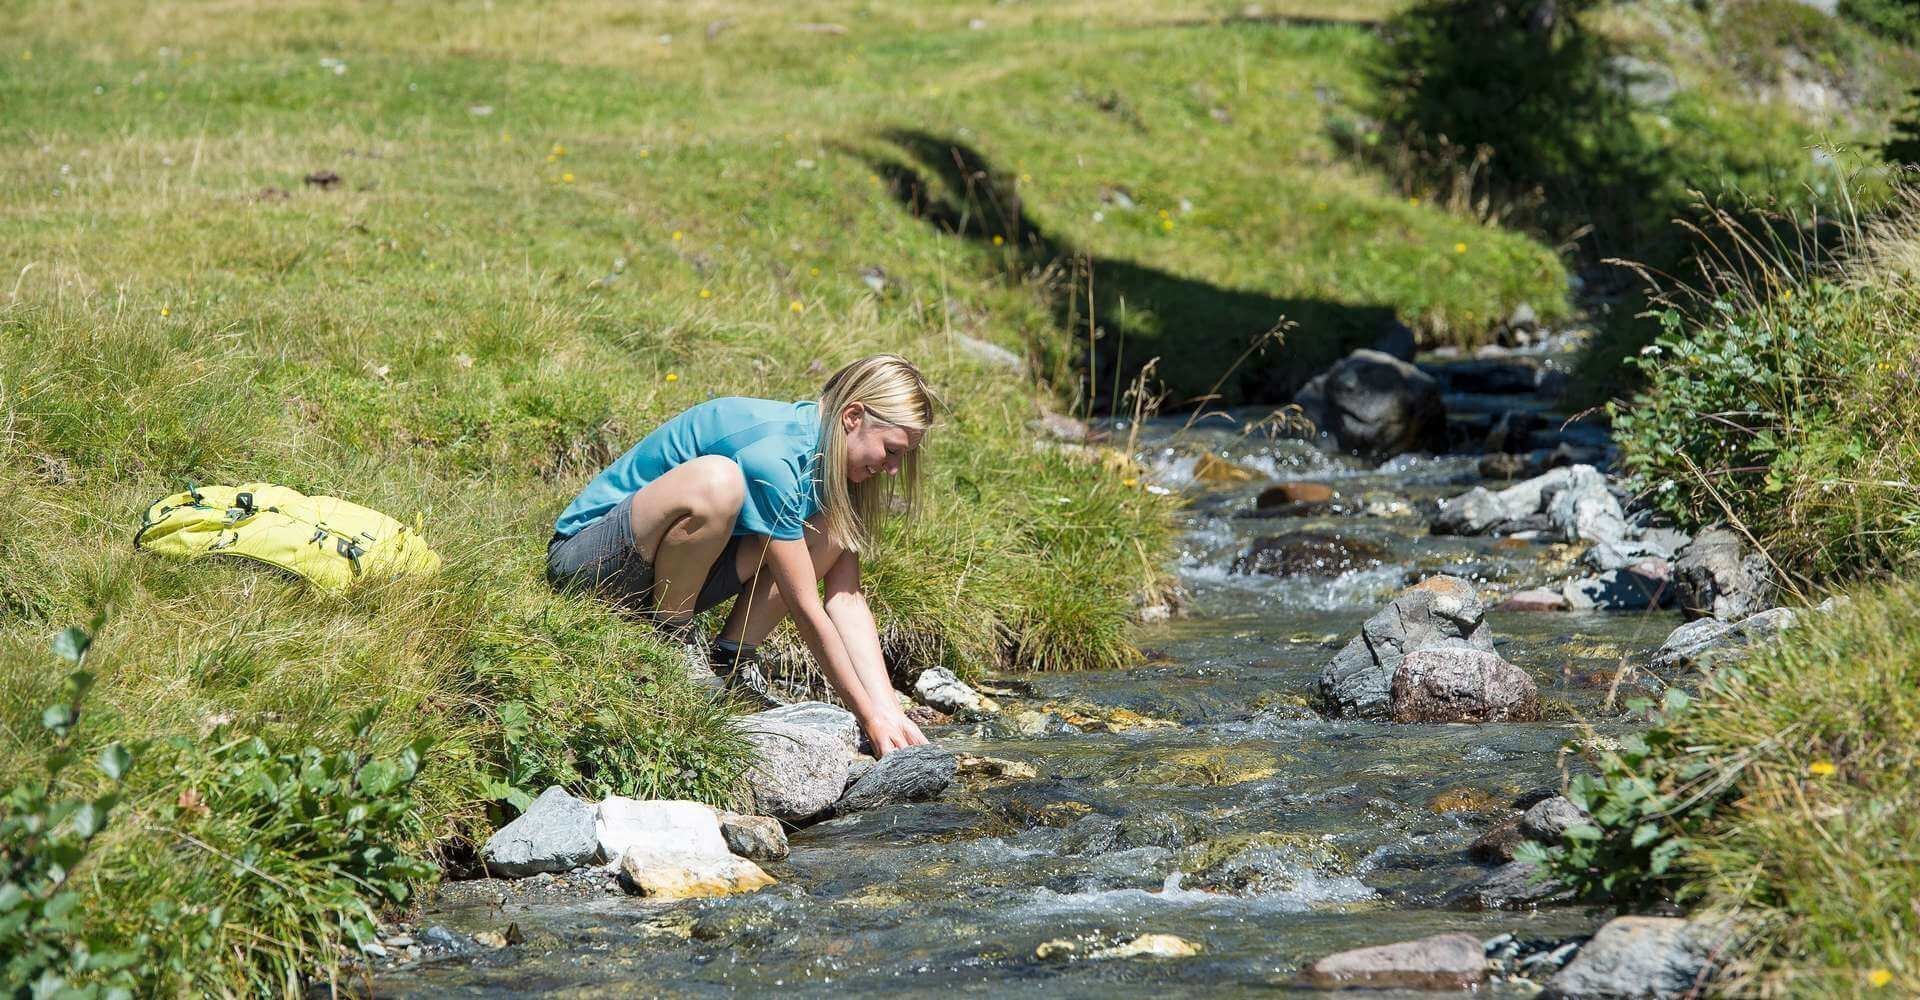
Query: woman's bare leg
681,522
759,607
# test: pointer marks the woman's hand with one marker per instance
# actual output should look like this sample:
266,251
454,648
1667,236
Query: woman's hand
892,731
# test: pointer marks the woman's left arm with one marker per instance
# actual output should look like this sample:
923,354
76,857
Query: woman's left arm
853,619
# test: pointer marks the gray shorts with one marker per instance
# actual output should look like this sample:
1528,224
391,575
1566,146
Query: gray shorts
600,559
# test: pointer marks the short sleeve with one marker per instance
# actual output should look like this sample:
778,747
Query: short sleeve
776,503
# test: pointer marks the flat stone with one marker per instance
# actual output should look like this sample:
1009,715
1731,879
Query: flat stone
661,825
1548,820
758,838
1150,946
674,875
1621,554
1640,958
1480,511
1462,685
909,774
1294,493
1309,553
1704,641
555,834
1440,962
1537,599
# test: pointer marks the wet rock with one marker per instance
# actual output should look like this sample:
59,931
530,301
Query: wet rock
1498,843
1150,946
1169,829
1703,641
1295,500
799,772
1456,800
1309,553
1635,588
830,719
1441,611
1537,599
440,939
1440,684
859,768
555,834
1255,864
992,768
1515,885
1441,962
1217,471
909,774
758,838
1640,958
1716,578
939,688
1376,405
1548,820
1505,465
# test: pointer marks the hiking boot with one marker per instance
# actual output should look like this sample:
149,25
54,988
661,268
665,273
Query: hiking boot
746,682
699,670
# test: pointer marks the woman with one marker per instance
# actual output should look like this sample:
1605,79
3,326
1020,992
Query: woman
762,500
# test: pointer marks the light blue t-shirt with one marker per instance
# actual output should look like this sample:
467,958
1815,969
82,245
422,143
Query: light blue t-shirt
777,446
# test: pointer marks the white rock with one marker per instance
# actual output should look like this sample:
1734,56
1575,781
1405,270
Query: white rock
938,687
622,824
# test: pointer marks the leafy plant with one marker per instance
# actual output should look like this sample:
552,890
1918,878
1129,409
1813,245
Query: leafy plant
1645,801
44,836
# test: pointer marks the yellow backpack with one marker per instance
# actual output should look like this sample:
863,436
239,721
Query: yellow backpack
329,541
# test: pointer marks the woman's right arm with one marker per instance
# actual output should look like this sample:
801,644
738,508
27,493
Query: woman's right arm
792,567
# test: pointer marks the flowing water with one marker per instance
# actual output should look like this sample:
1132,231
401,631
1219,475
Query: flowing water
1209,739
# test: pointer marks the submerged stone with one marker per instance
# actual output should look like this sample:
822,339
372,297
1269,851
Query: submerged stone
1150,946
1462,685
909,774
1255,864
1309,553
757,838
1440,962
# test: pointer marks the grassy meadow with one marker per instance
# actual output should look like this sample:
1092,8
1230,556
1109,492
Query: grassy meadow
449,259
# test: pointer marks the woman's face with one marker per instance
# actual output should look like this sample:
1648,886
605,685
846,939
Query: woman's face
874,447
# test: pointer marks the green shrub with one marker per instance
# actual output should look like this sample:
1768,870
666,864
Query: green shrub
1897,19
1786,408
47,830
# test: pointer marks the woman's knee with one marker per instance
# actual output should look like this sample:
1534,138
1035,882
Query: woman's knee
716,487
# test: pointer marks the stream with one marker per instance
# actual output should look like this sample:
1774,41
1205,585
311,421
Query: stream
1212,737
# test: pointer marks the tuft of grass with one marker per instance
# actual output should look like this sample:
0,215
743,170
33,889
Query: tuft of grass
1813,847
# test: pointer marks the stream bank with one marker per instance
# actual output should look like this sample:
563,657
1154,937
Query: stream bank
1199,799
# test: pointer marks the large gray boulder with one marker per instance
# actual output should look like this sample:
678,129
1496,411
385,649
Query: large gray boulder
799,770
1640,958
1442,962
910,774
1438,611
1376,405
1548,820
1716,578
1583,509
555,834
1453,684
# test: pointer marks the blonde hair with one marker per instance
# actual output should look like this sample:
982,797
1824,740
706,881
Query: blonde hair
891,391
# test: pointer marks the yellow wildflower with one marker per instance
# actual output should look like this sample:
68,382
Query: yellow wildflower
27,55
706,293
1787,295
1820,768
672,377
676,236
1129,483
1413,201
998,239
1459,248
1025,178
1879,977
873,178
1166,224
506,136
645,152
795,306
1163,213
814,271
164,311
558,151
566,178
